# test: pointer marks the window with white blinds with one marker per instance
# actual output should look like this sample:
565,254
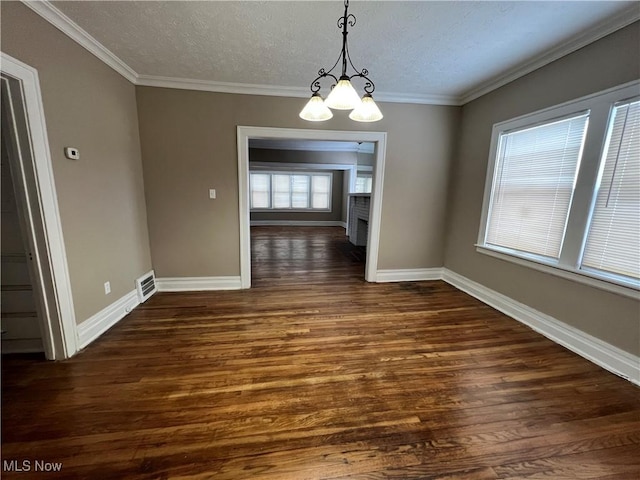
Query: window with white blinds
533,184
320,192
290,191
562,193
364,183
613,241
260,190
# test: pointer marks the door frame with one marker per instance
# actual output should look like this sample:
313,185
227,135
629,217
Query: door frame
35,184
244,134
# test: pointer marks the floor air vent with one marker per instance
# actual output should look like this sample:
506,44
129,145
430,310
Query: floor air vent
146,286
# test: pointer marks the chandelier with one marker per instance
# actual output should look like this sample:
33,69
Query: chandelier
342,95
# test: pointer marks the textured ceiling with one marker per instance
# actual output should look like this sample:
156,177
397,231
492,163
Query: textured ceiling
410,48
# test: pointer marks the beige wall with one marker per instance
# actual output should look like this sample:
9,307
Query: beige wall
101,196
610,61
367,159
189,145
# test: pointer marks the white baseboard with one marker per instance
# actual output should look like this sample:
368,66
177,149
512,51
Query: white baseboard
190,284
593,349
409,275
93,327
298,223
597,351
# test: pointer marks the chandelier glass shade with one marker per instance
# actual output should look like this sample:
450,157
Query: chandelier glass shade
315,110
367,111
342,95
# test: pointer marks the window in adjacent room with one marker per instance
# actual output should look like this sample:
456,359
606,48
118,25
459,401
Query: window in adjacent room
563,190
363,183
287,191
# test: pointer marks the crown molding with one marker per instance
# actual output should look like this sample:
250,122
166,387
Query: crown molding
67,26
279,91
617,22
49,12
221,87
418,98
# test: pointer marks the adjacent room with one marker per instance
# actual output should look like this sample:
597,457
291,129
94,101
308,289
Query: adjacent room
320,239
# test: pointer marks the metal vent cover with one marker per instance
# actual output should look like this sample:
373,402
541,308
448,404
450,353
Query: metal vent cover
146,286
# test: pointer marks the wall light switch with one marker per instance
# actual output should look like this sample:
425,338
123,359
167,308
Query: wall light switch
72,153
212,193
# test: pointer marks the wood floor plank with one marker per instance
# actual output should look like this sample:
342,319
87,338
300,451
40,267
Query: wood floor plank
315,374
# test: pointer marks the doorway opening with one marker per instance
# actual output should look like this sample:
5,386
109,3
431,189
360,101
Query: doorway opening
27,151
263,134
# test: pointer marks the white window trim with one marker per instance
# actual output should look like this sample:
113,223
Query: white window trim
296,210
600,105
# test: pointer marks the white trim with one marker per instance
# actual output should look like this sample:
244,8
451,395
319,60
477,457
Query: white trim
609,26
96,325
50,13
59,326
245,133
409,275
298,223
192,284
579,276
601,353
570,106
282,91
71,29
568,265
419,98
221,87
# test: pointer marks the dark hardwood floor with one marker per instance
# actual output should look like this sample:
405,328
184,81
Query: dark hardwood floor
315,374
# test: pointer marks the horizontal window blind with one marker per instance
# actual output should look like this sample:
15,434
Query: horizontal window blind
290,191
260,190
281,191
533,185
613,241
300,191
321,190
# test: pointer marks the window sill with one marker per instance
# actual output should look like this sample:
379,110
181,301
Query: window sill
586,278
290,210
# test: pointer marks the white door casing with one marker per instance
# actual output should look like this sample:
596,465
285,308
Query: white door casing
267,133
35,180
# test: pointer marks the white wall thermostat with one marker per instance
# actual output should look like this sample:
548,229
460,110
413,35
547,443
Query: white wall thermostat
72,153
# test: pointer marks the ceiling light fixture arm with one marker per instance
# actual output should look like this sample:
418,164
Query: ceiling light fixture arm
342,95
347,19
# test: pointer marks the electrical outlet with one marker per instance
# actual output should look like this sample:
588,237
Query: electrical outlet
212,193
107,288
